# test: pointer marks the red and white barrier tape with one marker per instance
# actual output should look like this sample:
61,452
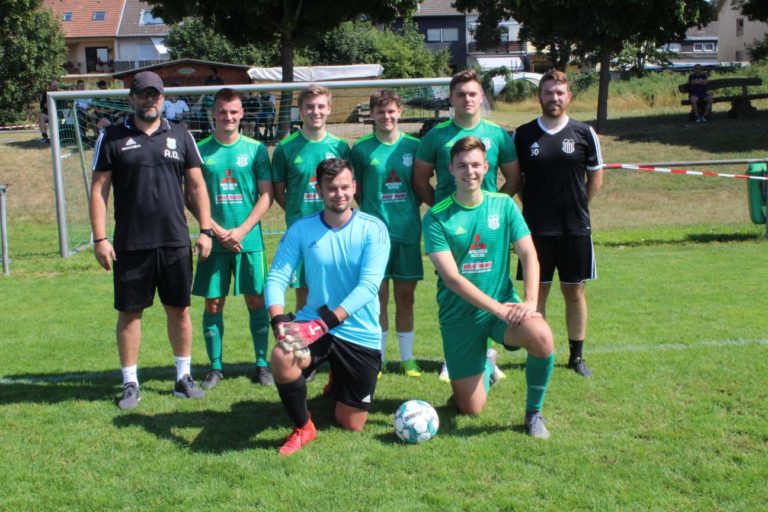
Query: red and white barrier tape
666,170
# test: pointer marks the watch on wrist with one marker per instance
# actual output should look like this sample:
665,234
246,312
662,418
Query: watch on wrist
207,232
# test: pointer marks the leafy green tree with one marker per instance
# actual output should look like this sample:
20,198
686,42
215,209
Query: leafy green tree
600,27
194,39
294,24
402,52
637,53
32,53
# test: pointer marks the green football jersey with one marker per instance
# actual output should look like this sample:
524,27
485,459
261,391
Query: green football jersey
231,173
479,239
435,148
293,163
384,172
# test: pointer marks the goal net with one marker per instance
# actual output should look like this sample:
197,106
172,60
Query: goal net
83,114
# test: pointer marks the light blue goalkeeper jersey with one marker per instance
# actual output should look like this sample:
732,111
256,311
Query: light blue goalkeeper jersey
343,266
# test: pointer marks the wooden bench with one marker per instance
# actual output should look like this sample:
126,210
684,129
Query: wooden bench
741,104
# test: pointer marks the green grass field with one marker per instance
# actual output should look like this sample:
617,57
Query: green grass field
674,418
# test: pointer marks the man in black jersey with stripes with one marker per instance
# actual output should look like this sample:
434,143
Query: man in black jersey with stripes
561,171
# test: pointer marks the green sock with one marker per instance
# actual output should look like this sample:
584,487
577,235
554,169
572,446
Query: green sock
259,323
213,332
538,370
487,372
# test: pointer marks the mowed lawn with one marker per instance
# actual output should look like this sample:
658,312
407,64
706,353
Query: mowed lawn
674,418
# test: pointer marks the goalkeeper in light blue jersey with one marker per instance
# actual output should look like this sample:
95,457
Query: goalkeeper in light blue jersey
345,253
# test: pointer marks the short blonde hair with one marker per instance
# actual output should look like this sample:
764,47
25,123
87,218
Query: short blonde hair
313,90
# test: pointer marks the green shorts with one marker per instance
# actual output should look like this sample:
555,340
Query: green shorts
215,272
298,279
405,262
465,345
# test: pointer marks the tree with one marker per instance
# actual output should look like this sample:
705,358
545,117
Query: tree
401,52
32,53
600,26
637,53
294,24
755,10
194,39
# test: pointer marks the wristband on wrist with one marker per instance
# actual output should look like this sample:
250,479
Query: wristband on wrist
281,319
328,316
207,232
97,240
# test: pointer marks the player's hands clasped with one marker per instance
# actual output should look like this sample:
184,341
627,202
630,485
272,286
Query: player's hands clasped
231,239
516,313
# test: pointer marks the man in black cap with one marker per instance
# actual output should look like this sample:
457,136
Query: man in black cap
154,168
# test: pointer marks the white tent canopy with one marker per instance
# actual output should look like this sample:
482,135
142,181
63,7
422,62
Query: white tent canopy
318,73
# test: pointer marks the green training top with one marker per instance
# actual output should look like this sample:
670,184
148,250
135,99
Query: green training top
293,163
479,239
231,173
384,172
436,147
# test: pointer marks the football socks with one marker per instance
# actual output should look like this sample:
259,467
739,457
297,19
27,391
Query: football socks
384,335
538,370
213,332
576,347
487,373
183,366
130,374
259,323
405,340
294,398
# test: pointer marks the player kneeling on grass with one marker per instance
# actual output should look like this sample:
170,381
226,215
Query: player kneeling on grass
467,236
238,178
345,253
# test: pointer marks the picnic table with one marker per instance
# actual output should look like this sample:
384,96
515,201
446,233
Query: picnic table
741,103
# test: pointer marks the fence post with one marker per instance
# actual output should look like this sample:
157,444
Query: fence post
4,230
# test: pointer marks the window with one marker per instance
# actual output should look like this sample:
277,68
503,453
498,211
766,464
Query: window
674,47
148,19
739,56
67,16
709,47
437,35
99,16
450,34
704,47
739,26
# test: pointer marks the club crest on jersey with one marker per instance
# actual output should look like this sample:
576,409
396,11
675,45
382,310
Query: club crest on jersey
535,149
330,155
170,143
487,143
493,222
569,146
408,159
242,160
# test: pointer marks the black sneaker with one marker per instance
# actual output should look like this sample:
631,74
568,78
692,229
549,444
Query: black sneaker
534,425
212,378
579,365
185,388
263,375
131,396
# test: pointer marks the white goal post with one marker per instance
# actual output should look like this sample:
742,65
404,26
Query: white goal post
77,115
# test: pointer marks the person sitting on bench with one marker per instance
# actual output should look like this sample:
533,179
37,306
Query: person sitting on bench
697,94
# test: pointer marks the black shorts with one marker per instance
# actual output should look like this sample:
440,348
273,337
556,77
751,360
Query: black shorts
137,274
572,256
354,369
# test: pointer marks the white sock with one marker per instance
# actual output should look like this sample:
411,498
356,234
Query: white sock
183,366
130,374
384,335
405,340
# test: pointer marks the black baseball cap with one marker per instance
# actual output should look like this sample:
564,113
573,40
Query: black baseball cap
145,80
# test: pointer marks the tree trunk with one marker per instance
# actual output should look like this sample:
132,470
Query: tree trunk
602,95
286,97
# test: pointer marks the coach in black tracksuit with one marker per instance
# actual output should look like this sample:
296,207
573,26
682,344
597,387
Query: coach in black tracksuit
154,168
561,171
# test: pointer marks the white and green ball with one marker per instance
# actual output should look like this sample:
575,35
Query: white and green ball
416,422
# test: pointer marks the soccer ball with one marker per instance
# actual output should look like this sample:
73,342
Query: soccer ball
416,422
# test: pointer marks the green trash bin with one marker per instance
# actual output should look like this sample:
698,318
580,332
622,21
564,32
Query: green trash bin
756,192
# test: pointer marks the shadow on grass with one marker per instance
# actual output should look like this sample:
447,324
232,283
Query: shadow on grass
680,239
722,135
27,144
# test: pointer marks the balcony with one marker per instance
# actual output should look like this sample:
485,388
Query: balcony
101,67
511,47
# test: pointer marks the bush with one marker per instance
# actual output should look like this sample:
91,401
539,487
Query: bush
759,51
